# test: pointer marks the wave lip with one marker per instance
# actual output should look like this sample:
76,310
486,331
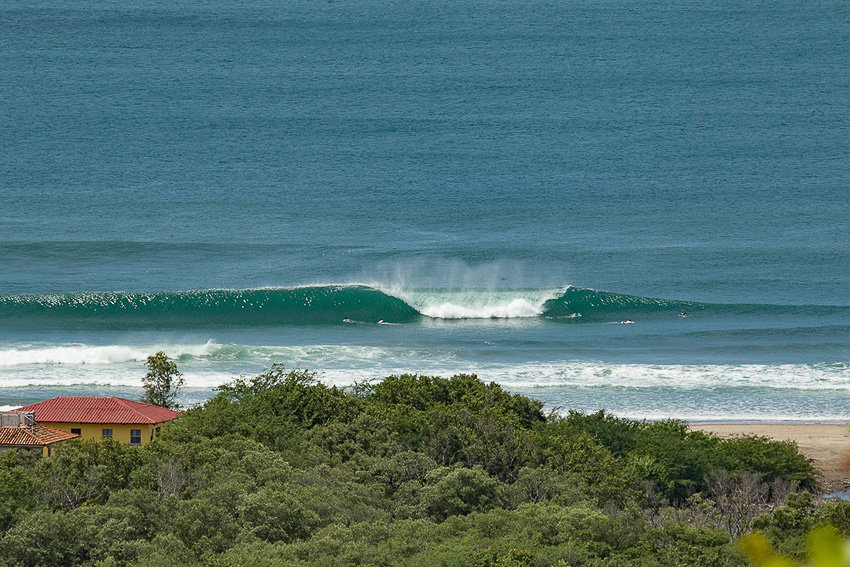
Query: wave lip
217,307
576,301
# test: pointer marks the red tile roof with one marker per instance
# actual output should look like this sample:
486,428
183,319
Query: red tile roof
36,435
95,409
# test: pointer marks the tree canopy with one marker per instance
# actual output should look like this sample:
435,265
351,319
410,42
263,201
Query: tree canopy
162,382
281,469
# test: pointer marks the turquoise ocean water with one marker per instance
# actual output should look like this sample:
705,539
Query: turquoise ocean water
501,183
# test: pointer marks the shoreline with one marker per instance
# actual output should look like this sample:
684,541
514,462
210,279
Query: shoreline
827,444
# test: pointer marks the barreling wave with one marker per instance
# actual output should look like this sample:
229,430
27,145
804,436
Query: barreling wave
594,304
186,309
330,304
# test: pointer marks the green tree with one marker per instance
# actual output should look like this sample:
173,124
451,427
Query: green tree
162,382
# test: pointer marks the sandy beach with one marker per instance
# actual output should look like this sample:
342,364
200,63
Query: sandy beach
828,445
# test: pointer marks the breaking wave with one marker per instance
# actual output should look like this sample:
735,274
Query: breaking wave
330,304
96,354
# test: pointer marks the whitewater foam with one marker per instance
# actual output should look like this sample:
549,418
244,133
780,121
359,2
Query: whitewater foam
534,376
595,374
737,416
477,303
77,354
771,392
344,363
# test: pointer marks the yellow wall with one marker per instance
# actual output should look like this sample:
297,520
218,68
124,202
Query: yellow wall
120,431
46,450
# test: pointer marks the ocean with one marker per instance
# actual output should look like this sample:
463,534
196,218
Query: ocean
365,188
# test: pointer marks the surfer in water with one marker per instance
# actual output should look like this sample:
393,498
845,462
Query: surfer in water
683,314
347,320
627,322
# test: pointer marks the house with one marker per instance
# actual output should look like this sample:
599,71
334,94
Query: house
19,430
94,417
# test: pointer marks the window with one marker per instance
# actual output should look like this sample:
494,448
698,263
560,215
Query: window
107,434
76,430
135,437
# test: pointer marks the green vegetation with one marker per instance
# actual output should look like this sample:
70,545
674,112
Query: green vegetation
825,546
412,471
162,383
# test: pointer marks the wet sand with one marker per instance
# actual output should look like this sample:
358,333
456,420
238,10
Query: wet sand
828,445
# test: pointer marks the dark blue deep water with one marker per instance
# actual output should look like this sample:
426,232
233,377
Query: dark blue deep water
502,182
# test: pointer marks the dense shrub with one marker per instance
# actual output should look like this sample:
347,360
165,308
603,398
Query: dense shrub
280,469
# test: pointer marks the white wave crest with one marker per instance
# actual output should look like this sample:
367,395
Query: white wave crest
514,309
478,303
94,354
